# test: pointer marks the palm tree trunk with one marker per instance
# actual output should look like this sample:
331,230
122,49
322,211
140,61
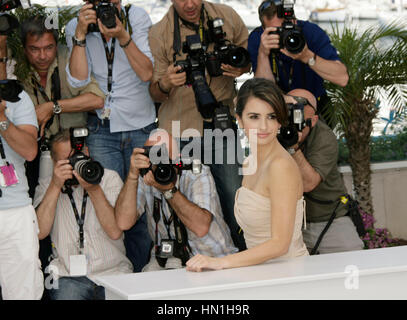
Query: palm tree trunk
357,135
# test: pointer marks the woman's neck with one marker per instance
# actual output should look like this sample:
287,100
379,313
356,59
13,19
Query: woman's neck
264,151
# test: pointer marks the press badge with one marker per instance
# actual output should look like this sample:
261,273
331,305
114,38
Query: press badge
106,113
166,249
8,176
77,265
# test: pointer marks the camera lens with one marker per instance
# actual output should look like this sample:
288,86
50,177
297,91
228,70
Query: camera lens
288,136
90,171
294,41
204,97
165,174
108,19
238,57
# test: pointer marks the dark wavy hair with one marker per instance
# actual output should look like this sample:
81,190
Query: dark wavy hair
267,91
35,26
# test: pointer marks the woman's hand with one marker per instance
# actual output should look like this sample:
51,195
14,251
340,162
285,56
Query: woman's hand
199,262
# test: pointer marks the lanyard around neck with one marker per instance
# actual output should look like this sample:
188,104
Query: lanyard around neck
79,219
110,59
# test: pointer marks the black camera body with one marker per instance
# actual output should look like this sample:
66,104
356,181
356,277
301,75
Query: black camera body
8,23
10,90
165,173
195,60
198,60
291,36
288,135
7,5
106,12
89,170
223,52
194,66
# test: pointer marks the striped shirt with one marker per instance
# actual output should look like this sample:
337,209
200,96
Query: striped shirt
199,189
104,255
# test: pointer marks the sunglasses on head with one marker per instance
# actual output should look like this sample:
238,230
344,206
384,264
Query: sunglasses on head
266,4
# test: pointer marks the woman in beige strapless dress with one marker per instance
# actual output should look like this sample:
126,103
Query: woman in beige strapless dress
269,206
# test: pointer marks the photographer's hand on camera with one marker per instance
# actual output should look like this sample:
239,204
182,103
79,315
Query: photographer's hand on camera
86,17
62,172
269,41
118,32
173,78
44,112
137,161
150,181
233,72
85,185
303,56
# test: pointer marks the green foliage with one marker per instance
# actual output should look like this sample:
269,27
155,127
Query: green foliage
14,43
383,148
372,63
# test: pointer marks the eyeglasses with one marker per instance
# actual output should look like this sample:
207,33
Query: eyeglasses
266,4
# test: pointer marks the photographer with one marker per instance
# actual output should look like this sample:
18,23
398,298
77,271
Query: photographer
307,68
188,203
57,104
316,154
83,206
20,268
178,103
110,42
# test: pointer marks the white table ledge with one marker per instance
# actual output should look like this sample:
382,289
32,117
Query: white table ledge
366,274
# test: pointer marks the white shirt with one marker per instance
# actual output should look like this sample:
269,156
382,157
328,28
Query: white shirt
104,255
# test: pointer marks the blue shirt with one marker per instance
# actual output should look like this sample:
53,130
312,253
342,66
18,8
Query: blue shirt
19,113
302,75
131,105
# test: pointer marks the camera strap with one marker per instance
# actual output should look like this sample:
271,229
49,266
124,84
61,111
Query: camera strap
157,212
79,219
182,248
199,29
2,153
110,59
275,70
55,93
125,19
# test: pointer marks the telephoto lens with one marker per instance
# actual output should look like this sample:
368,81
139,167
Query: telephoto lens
288,136
293,40
238,57
90,171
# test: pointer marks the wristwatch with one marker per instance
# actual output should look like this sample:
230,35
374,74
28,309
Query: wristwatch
312,60
56,109
169,194
291,150
4,125
77,42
